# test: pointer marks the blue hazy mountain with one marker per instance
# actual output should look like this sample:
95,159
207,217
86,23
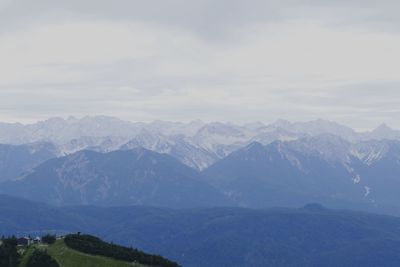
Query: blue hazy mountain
20,217
325,169
15,160
196,144
282,174
308,236
125,177
378,171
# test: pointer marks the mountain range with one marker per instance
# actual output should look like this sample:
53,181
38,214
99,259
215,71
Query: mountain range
108,162
124,177
197,144
324,169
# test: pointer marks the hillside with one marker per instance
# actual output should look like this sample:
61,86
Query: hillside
90,254
308,236
67,257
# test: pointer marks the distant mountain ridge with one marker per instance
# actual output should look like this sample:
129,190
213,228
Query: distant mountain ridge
308,236
202,164
124,177
196,144
325,169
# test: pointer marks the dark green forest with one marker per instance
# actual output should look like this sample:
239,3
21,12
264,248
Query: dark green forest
95,246
40,258
9,256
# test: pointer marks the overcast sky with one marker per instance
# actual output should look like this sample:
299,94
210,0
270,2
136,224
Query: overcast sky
227,60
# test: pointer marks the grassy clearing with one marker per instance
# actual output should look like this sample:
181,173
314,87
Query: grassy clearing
67,257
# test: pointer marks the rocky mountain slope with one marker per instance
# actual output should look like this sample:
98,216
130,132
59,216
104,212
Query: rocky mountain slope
124,177
15,160
196,144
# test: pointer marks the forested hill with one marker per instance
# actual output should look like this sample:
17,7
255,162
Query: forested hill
309,236
75,250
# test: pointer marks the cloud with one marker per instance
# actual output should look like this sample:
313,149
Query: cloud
214,60
208,18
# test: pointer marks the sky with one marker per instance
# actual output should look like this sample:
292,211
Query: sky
215,60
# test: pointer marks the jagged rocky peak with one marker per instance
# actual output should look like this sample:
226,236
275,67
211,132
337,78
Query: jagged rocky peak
254,125
383,131
282,123
254,146
317,127
220,128
375,150
382,128
327,146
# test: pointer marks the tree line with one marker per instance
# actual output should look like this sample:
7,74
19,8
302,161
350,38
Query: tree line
95,246
10,257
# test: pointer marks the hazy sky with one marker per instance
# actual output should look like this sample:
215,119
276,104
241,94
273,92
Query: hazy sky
229,60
